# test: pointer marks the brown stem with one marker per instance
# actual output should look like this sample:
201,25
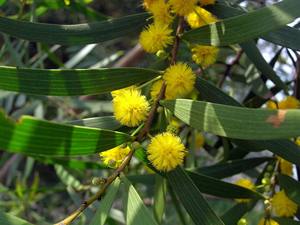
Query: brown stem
131,57
161,95
97,196
229,68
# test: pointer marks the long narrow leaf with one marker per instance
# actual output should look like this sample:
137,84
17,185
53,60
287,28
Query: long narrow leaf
73,34
229,168
71,82
245,27
105,204
192,199
38,137
136,212
236,122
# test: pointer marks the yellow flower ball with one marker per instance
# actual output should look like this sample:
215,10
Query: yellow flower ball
115,156
180,80
166,151
207,2
271,104
130,107
204,55
183,7
155,37
160,11
200,17
298,141
245,183
264,221
289,102
285,166
282,205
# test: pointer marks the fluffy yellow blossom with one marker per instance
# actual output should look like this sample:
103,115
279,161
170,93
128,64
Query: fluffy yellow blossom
289,102
115,156
130,107
245,183
285,166
264,221
147,3
204,55
179,79
155,37
271,104
166,151
282,205
298,141
160,11
183,7
200,17
207,2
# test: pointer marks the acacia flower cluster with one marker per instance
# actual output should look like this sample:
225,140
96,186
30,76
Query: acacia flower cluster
158,35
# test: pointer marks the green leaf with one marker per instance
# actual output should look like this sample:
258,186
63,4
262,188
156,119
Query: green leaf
68,179
74,34
136,212
245,27
7,219
212,186
159,198
286,221
236,122
291,187
285,36
260,63
71,82
72,163
230,168
284,148
233,215
31,136
192,199
106,204
211,93
104,122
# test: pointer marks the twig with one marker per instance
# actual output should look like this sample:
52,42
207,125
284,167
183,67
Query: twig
97,196
148,123
131,57
229,68
7,165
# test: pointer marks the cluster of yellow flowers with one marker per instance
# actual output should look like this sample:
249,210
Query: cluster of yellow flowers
131,108
158,35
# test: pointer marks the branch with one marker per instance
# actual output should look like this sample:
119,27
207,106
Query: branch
229,68
98,195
